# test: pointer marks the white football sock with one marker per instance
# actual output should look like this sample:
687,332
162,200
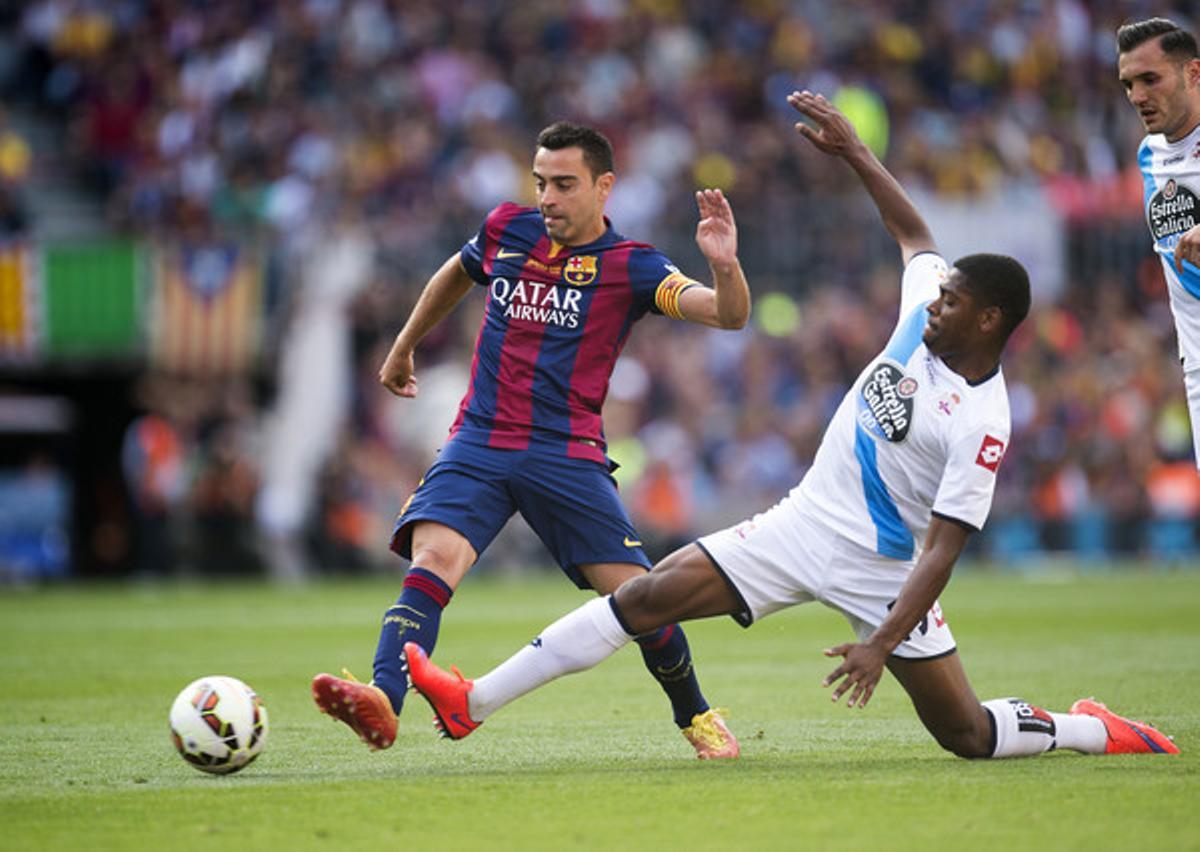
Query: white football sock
1022,729
579,640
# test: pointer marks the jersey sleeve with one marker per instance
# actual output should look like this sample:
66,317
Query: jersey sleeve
471,254
657,283
969,479
922,281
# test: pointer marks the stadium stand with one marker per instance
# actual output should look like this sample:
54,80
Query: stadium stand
256,192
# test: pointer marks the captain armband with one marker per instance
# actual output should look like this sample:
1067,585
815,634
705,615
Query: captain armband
666,297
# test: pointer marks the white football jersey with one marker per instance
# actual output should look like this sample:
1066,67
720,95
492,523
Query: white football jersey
911,438
1171,193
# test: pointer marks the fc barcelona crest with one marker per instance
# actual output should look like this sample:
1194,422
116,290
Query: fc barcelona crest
580,270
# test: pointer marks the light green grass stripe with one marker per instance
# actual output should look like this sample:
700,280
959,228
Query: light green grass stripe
592,761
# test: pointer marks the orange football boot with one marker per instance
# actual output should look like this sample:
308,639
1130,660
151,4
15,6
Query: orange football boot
363,706
1125,736
445,691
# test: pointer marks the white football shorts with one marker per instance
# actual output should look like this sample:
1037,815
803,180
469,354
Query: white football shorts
783,557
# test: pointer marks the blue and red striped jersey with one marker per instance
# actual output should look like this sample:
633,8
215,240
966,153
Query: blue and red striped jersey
556,319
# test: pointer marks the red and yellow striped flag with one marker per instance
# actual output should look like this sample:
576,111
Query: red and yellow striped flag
207,309
20,303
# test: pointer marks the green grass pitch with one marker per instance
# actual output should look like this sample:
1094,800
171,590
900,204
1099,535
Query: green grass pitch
592,761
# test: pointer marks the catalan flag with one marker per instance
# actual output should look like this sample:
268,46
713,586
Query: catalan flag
20,302
207,311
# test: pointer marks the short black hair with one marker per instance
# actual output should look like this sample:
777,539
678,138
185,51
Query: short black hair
597,150
1175,42
999,280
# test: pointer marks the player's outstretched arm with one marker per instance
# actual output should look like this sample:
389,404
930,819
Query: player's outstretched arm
834,135
863,662
445,289
727,304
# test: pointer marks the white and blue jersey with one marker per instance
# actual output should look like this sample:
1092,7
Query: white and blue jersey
911,439
1171,196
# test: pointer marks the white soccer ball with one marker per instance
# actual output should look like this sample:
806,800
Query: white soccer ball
218,724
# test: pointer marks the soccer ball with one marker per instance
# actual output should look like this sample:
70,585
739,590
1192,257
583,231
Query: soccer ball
218,724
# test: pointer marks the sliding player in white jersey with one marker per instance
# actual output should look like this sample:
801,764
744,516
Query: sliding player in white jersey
905,472
1159,66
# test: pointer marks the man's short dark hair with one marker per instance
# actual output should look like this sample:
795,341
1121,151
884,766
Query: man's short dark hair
1175,42
1000,280
597,151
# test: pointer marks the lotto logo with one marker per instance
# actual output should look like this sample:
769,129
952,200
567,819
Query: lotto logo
1030,718
990,453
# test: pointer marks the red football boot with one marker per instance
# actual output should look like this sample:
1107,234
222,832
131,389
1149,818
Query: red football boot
1125,736
445,691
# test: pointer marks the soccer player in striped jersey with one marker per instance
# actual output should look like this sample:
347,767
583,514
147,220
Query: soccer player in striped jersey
1159,66
564,290
904,474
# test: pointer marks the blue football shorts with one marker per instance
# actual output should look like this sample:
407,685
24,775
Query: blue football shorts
571,504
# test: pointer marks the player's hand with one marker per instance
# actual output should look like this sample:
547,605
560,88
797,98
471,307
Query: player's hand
1188,248
860,671
716,232
396,374
833,134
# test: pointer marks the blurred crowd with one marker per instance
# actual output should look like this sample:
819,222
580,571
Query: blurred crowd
272,115
406,120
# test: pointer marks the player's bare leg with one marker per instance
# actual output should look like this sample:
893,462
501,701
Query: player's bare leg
682,587
443,551
946,704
